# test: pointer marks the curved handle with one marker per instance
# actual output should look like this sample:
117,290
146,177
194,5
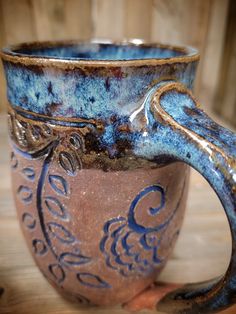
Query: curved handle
191,136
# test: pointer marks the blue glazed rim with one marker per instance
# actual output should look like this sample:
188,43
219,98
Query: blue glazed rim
187,54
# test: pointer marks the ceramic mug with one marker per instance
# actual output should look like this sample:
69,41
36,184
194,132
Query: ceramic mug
102,137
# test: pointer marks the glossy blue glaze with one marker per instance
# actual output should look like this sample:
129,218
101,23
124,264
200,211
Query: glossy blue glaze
91,92
75,94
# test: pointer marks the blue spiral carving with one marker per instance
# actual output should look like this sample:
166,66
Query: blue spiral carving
130,247
153,211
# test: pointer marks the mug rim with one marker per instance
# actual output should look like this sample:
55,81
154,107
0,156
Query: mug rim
189,54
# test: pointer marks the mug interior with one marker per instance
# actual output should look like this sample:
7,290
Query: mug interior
132,50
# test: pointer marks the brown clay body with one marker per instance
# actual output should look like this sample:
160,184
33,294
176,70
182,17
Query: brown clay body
71,258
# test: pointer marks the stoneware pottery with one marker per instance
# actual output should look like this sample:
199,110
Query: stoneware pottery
102,139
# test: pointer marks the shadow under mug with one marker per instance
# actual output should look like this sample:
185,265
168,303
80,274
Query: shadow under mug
102,137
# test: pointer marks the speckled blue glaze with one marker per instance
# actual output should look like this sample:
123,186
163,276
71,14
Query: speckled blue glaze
162,117
86,92
95,95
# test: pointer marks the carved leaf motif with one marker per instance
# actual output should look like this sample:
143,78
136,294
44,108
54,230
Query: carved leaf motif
28,220
33,133
46,130
60,232
58,184
14,161
57,272
72,259
68,162
29,173
76,141
28,136
82,299
25,193
39,247
91,280
55,207
19,130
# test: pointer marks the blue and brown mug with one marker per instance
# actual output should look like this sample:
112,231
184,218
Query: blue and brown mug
102,137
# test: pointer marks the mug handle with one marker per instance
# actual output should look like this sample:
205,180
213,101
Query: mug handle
192,137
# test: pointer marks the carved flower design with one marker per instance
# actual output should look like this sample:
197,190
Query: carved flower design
130,247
